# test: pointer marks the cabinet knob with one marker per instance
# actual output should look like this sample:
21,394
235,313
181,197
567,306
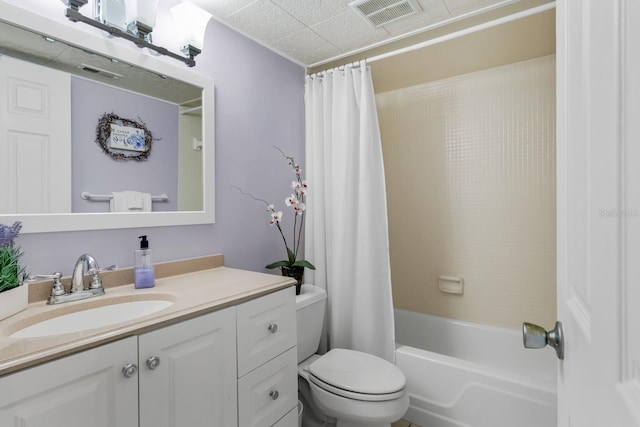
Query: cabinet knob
273,328
273,394
129,370
153,362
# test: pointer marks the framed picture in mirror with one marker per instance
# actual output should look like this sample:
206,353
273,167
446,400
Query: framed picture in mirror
123,139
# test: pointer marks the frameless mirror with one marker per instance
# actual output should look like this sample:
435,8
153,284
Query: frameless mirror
55,174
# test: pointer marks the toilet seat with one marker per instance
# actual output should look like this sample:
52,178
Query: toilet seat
357,375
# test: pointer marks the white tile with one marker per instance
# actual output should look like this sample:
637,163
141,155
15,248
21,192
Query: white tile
348,31
265,21
311,12
481,147
306,46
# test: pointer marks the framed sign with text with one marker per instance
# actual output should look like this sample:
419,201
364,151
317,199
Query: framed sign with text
123,139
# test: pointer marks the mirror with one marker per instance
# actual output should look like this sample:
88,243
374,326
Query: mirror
102,81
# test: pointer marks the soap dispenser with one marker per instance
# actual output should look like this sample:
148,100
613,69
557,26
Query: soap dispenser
143,273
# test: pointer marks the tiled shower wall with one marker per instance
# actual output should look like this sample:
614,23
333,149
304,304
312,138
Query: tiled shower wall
470,169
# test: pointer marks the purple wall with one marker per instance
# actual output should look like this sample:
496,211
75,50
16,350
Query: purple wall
96,172
259,104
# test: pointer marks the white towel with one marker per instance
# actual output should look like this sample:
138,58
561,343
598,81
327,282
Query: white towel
130,201
133,200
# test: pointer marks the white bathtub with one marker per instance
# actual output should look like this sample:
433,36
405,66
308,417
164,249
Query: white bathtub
466,374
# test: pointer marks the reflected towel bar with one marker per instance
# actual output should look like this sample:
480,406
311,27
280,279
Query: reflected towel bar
85,195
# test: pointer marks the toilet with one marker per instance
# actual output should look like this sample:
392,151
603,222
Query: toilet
343,388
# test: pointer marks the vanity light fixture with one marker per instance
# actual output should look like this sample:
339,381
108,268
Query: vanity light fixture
141,17
140,27
192,22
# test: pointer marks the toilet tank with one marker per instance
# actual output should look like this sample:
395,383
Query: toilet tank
310,306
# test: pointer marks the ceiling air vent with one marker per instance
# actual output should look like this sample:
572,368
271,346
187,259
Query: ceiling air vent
99,71
382,12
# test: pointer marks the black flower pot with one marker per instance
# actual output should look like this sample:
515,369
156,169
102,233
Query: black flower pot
297,272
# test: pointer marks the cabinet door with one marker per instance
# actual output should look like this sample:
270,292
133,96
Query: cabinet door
266,328
84,389
194,382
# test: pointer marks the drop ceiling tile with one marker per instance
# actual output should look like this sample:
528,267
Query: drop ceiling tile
264,21
433,12
311,12
348,31
306,47
460,7
221,8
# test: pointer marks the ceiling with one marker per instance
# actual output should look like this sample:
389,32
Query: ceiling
314,32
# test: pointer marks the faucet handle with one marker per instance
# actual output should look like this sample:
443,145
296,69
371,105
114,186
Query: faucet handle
96,280
57,288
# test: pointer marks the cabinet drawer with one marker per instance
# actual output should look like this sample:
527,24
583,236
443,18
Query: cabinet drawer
269,392
266,328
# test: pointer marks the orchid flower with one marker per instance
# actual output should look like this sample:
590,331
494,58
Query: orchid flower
296,202
275,217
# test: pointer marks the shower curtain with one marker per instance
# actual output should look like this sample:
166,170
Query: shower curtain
346,228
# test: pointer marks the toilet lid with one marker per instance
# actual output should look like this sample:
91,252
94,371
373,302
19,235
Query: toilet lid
358,372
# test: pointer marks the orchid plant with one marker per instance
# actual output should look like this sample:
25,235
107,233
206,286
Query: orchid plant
11,274
295,201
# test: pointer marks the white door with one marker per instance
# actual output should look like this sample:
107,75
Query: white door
35,138
598,149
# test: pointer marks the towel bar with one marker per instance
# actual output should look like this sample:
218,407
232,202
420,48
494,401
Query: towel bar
85,195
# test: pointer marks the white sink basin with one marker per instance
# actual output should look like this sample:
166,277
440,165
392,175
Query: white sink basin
92,318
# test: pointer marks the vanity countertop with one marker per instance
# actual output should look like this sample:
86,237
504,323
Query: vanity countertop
192,294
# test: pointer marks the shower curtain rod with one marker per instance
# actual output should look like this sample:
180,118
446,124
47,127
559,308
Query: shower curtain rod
456,34
354,64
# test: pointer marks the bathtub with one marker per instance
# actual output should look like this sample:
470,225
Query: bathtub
467,374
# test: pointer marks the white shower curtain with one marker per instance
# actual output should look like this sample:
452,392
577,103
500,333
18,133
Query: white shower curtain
346,228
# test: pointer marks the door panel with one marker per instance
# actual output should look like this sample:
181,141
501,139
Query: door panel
592,217
35,138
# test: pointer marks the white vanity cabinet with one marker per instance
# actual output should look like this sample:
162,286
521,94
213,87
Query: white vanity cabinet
84,389
231,367
179,375
267,361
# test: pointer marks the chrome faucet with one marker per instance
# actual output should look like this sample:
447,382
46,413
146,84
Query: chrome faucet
77,291
77,279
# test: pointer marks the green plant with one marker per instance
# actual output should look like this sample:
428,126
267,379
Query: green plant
11,274
296,202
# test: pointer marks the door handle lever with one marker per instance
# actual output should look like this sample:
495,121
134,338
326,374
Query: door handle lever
535,336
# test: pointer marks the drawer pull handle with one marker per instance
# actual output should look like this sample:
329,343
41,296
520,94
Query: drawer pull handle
273,328
273,394
129,370
153,362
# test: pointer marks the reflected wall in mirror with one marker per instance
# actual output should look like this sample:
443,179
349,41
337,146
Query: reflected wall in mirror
57,94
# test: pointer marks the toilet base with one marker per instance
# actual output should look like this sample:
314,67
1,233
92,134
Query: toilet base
311,417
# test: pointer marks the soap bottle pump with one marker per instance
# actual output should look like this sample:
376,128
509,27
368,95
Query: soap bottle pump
143,273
